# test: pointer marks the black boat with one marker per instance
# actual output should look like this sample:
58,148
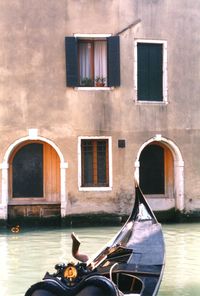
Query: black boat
131,264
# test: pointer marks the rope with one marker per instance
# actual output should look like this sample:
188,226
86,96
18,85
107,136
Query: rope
111,269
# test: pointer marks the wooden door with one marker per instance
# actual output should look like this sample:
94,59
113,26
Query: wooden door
51,163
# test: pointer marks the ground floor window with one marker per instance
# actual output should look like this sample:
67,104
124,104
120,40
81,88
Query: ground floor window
94,163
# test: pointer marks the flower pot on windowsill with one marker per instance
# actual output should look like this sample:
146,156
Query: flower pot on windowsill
87,82
100,81
100,84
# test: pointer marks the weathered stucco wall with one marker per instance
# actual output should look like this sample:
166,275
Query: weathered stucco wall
33,92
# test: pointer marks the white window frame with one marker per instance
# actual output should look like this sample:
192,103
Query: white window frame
93,36
165,87
80,187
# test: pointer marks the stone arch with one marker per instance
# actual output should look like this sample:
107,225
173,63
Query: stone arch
178,167
32,136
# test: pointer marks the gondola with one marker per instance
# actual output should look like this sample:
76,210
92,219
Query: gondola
132,263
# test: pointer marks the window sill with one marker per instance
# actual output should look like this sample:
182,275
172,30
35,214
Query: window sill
95,188
151,102
92,88
30,201
157,196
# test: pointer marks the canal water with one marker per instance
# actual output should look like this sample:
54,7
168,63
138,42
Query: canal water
27,255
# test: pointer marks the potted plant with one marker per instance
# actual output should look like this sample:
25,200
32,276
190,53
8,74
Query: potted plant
87,82
100,81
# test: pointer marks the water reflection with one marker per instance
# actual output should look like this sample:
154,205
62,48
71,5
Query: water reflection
181,275
27,255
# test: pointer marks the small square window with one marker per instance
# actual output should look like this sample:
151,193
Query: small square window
121,143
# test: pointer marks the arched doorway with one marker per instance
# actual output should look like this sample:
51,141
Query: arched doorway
159,169
156,173
53,188
34,171
34,180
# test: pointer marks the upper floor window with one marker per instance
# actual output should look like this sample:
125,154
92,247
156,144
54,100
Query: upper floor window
151,71
92,61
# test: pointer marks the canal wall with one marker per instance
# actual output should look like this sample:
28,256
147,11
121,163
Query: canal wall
94,220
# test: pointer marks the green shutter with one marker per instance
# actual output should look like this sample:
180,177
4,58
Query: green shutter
150,74
71,61
113,55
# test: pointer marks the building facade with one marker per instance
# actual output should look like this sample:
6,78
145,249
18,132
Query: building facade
96,94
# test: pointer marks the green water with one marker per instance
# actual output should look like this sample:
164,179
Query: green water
26,256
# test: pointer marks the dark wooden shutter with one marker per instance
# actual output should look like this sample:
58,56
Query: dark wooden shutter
152,172
71,61
150,62
87,162
113,55
102,155
28,171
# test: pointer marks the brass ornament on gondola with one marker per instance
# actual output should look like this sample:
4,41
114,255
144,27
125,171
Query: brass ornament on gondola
70,272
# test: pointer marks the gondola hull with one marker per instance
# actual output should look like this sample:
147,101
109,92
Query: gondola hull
93,285
131,264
